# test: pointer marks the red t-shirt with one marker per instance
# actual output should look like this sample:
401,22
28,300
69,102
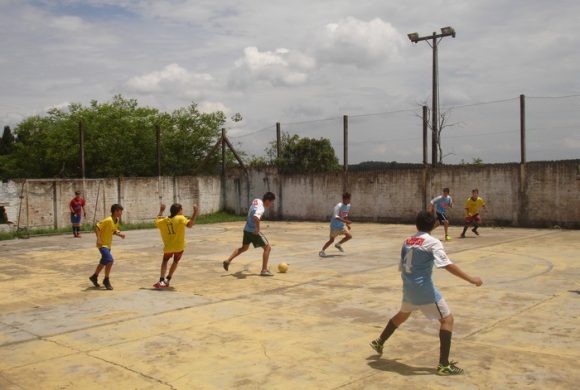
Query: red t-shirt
77,205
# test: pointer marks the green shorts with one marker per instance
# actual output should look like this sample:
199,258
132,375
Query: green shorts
258,240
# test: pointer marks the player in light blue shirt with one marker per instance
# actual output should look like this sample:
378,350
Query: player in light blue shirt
339,225
253,234
439,206
418,256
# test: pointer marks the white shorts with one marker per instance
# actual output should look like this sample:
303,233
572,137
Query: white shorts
337,232
433,311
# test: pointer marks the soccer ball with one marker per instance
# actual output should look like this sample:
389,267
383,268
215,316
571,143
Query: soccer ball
282,267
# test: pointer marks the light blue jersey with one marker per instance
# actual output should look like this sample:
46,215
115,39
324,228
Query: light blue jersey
442,203
340,210
418,255
256,210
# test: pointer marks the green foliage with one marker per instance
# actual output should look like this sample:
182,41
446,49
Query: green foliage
217,217
7,141
299,155
474,161
307,155
380,165
120,140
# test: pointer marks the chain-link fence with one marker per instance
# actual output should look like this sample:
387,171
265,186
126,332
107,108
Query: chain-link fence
486,132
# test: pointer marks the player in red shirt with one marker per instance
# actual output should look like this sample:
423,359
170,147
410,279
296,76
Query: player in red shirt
76,206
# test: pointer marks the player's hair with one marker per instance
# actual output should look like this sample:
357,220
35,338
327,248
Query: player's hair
425,221
269,196
346,195
475,190
446,189
174,209
116,207
77,192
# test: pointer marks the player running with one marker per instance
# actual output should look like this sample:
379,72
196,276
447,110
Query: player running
253,234
105,230
339,225
172,230
439,206
418,255
472,206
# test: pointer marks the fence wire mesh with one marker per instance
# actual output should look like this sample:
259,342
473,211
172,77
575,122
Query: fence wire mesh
487,132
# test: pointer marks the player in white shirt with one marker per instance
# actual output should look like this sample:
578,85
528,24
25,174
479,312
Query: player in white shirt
439,207
253,235
418,255
339,225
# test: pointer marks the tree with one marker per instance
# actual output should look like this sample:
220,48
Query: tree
7,141
119,141
442,123
303,155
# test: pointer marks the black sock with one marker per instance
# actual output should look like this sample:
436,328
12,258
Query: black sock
389,330
168,278
445,346
162,279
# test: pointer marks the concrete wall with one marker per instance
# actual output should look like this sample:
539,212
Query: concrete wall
541,194
45,202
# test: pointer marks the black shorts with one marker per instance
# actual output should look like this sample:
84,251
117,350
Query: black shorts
258,240
442,217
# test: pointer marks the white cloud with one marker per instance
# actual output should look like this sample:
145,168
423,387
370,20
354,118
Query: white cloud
171,78
209,107
356,42
278,67
68,23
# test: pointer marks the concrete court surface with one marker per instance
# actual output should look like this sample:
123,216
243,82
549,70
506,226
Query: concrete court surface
308,328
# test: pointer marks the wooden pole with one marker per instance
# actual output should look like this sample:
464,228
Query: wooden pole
278,140
345,152
523,128
425,128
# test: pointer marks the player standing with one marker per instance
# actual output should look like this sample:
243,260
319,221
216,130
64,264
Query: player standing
76,205
172,230
472,206
105,231
339,224
439,206
253,234
418,255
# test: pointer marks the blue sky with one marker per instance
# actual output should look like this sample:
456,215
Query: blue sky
302,61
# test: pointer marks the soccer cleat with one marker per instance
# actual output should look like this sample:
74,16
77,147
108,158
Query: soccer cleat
462,235
322,254
266,272
377,346
449,369
94,279
447,238
226,264
339,247
475,231
107,284
161,284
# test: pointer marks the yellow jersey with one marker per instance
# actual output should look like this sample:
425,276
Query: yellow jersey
107,227
172,232
473,206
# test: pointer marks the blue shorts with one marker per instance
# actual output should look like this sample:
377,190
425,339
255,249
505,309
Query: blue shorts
75,219
106,257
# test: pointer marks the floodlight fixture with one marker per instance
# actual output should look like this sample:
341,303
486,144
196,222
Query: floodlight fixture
414,37
446,31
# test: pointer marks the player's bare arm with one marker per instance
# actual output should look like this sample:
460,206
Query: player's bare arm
98,234
455,270
194,216
119,234
161,210
257,222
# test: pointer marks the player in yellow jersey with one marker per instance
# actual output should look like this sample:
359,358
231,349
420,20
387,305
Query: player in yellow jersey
472,206
172,230
105,230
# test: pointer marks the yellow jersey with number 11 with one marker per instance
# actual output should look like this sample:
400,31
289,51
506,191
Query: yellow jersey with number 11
172,232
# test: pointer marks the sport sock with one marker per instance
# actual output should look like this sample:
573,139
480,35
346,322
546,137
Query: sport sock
389,330
445,346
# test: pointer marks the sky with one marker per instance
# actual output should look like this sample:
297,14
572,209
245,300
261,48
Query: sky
307,63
